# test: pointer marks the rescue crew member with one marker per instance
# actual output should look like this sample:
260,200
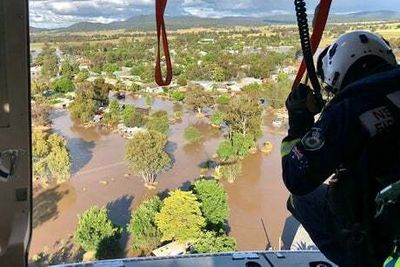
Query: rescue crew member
335,166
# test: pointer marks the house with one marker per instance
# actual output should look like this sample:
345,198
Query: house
35,72
171,249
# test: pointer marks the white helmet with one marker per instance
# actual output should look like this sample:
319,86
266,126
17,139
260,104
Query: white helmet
335,61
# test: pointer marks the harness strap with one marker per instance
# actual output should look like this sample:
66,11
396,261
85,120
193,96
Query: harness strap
162,36
320,19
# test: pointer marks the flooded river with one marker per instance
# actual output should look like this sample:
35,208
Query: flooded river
100,177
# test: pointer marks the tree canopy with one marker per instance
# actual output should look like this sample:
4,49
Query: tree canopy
197,98
146,155
95,232
243,115
142,226
50,156
158,121
214,202
192,135
63,85
84,105
180,217
211,242
132,117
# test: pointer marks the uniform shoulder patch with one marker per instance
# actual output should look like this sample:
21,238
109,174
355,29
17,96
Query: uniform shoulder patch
377,120
313,140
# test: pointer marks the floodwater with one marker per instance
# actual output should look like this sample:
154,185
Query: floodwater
100,177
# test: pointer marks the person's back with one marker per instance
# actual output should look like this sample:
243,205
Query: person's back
356,137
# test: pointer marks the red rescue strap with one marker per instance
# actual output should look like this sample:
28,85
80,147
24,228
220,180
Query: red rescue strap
321,17
162,35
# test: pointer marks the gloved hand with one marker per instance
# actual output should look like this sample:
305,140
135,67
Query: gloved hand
301,108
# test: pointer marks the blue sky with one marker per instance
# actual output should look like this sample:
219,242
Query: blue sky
58,13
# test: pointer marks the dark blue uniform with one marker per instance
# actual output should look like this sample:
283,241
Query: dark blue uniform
357,138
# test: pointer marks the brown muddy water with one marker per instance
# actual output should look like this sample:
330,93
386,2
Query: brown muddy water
100,177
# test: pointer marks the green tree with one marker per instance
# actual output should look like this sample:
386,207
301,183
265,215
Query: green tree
49,61
132,117
180,217
59,158
68,69
211,242
84,106
216,118
39,87
63,85
218,74
197,98
192,135
112,117
96,233
142,227
50,156
82,76
110,68
146,155
214,202
178,96
158,121
223,100
243,115
101,90
238,147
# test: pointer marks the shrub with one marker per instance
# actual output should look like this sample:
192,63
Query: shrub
192,135
178,96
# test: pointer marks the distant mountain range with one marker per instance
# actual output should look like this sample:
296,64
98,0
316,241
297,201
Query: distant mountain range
147,22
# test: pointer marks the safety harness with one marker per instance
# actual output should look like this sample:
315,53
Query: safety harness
162,37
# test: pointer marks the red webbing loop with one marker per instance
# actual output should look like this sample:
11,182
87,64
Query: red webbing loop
162,35
321,17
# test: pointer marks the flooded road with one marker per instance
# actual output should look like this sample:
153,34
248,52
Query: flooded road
100,177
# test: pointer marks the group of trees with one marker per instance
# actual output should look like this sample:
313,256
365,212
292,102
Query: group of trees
146,155
198,217
88,97
50,156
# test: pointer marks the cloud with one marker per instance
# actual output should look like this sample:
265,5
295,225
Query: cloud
57,13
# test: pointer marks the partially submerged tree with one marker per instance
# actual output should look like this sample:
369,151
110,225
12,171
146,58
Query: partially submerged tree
142,227
229,171
146,155
238,147
132,117
197,98
180,218
243,115
84,105
158,121
96,233
192,135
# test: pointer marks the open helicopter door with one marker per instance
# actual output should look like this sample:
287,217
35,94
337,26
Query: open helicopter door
15,132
